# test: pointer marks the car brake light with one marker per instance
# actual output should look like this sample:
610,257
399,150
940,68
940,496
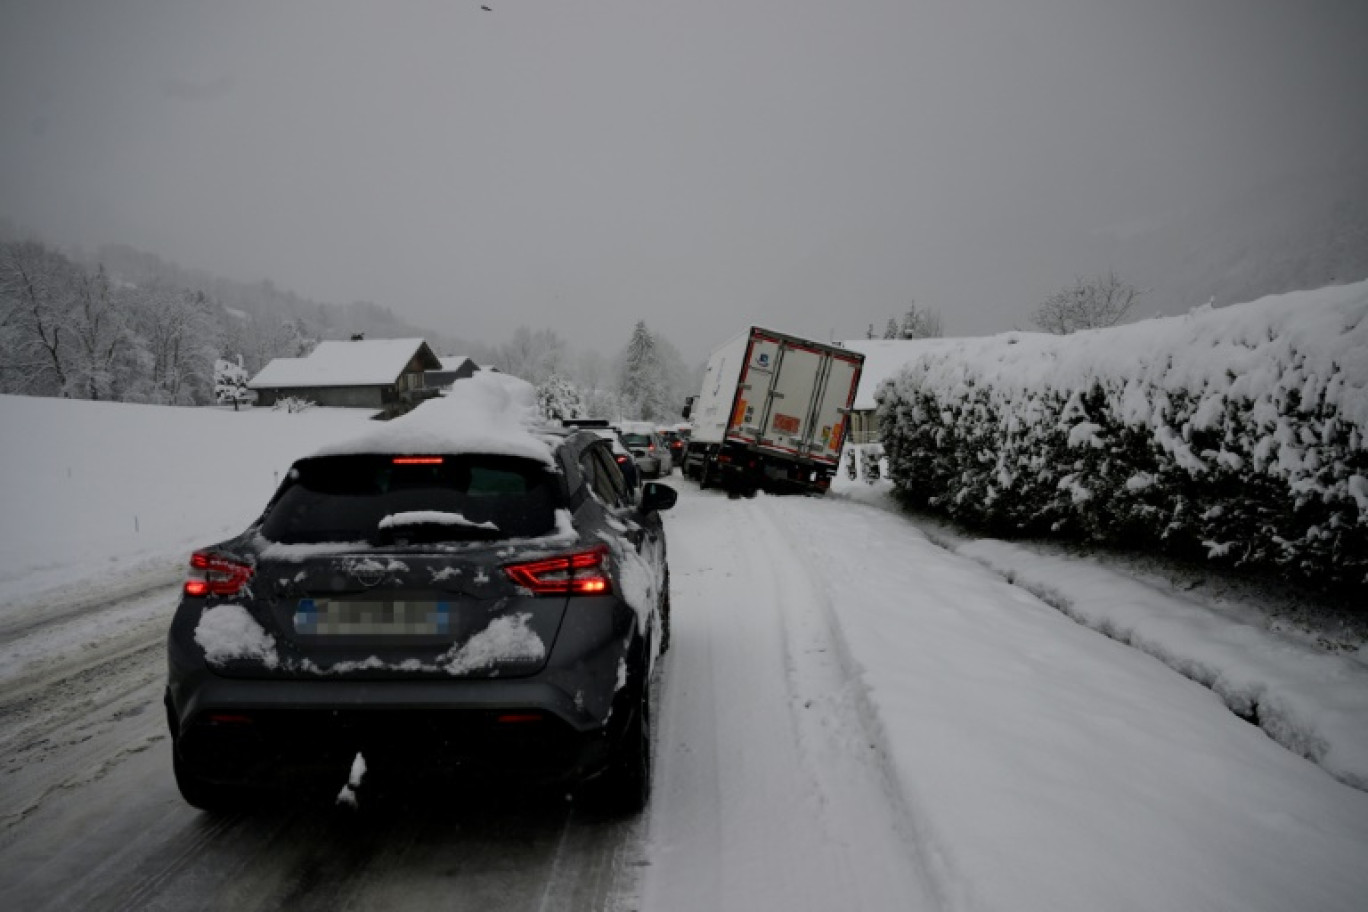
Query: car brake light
519,718
211,574
620,459
417,460
581,573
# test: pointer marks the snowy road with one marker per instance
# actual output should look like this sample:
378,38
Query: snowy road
850,719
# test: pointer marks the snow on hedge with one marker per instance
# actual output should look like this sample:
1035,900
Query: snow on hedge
1239,434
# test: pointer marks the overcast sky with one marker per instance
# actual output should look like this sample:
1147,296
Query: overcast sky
811,165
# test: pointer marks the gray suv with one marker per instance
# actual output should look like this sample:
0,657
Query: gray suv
441,613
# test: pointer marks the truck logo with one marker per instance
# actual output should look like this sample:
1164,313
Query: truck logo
762,359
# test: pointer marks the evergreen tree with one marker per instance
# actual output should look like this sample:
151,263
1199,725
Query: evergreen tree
642,381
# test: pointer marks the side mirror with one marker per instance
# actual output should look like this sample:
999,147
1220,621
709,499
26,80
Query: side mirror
688,408
655,496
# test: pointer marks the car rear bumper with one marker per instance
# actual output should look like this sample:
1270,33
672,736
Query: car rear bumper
275,732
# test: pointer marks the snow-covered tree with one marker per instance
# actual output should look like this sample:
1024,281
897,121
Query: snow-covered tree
36,285
230,381
558,398
891,330
920,323
532,355
1088,303
179,340
643,383
101,356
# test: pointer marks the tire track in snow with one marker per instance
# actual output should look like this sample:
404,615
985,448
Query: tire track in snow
756,812
845,749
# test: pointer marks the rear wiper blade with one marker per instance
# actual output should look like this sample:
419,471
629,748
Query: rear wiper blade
434,525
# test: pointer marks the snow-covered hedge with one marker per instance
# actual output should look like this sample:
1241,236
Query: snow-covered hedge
1239,433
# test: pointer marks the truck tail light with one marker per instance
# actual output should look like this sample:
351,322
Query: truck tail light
211,574
581,573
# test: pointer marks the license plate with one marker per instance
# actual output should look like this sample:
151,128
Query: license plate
330,617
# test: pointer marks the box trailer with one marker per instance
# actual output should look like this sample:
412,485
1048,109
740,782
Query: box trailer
772,413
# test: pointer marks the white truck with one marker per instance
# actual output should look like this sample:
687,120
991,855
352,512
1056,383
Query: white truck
772,413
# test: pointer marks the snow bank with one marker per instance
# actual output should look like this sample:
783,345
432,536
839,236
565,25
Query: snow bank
1238,434
489,412
1313,703
1043,767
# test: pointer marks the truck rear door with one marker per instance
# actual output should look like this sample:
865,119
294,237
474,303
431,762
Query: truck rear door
829,425
787,423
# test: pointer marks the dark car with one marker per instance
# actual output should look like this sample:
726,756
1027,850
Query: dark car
621,455
677,439
488,611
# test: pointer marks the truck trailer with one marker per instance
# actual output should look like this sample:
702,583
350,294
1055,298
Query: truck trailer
772,413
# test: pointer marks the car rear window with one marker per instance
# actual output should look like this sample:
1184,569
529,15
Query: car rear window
636,440
382,499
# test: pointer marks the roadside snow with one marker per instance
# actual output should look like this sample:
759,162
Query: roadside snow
105,490
1312,702
1046,767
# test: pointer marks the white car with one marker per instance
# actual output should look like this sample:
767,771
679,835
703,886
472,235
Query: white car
650,451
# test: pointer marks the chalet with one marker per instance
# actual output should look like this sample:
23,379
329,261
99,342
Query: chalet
884,358
359,373
453,368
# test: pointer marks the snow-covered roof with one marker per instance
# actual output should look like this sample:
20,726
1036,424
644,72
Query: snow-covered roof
361,362
488,413
453,362
883,359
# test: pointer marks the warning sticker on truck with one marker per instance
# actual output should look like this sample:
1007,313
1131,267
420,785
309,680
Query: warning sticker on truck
739,416
787,424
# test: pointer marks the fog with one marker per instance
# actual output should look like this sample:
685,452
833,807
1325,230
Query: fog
580,164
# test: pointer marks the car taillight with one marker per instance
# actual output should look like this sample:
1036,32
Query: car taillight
582,573
211,574
620,459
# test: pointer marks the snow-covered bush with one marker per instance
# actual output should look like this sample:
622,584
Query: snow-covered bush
293,404
230,381
1238,434
558,398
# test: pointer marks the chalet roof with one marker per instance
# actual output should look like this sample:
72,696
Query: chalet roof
361,362
453,362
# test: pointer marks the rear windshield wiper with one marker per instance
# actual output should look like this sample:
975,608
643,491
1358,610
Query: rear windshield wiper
434,525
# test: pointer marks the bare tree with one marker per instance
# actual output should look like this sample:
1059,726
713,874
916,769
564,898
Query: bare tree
35,297
1089,303
180,342
532,355
100,337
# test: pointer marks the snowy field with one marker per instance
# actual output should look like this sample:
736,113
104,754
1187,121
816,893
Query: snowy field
851,717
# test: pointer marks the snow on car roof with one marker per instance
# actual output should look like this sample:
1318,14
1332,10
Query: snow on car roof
486,413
